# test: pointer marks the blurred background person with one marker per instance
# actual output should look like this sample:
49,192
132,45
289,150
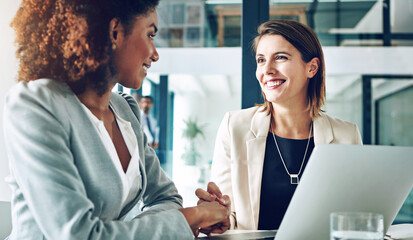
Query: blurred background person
149,123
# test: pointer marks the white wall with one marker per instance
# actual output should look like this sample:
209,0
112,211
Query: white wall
339,60
8,71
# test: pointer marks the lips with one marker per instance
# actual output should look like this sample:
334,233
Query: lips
146,67
274,83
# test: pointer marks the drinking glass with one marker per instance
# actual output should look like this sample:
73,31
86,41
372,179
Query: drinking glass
356,226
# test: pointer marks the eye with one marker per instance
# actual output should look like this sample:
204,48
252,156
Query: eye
260,60
280,57
152,35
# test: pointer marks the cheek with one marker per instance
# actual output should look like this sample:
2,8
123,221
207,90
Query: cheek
132,55
258,74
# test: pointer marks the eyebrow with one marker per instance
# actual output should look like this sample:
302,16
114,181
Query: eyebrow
276,53
155,27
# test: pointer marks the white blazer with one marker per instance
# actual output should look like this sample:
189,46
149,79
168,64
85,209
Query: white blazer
239,157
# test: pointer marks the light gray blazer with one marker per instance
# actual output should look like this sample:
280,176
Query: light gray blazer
239,157
64,183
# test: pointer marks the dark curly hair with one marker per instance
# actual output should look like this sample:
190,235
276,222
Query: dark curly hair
68,40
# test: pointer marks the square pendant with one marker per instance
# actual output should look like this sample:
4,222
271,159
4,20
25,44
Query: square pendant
294,179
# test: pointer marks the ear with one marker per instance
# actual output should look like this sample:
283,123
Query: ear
312,67
116,32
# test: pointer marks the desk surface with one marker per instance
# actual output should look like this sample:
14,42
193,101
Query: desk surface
397,232
401,231
243,235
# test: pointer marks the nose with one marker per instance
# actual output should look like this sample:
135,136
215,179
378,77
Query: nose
155,56
269,68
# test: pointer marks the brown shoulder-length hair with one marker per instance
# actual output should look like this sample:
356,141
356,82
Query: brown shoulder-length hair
306,42
68,40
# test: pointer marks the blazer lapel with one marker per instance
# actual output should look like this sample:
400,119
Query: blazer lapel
323,132
260,124
125,111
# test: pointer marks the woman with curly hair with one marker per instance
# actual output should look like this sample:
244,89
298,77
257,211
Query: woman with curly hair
79,159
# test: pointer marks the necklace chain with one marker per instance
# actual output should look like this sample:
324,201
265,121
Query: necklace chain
293,176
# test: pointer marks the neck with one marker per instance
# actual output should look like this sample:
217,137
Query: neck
293,123
98,105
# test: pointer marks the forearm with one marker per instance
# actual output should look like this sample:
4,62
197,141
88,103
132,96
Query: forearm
193,217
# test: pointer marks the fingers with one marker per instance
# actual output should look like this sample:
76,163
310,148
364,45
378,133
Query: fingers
219,230
199,202
207,231
225,200
212,188
212,194
196,232
204,195
216,228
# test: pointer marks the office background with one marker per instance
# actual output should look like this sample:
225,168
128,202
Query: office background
204,72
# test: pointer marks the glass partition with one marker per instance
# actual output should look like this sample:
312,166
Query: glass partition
213,23
344,98
393,123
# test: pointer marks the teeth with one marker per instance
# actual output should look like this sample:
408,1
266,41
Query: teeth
145,68
274,83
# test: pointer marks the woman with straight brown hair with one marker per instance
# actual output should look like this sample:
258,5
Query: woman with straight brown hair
261,152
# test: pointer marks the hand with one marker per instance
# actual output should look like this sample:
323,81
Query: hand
154,145
220,227
213,193
205,215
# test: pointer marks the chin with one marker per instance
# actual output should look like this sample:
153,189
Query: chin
135,83
138,86
135,86
272,99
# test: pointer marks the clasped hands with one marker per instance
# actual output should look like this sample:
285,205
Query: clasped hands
210,199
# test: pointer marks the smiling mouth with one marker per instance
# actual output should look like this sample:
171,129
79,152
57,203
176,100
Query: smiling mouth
276,83
145,68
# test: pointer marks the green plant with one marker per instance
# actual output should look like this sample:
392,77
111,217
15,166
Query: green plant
191,131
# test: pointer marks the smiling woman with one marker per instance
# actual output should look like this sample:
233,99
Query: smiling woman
262,151
79,158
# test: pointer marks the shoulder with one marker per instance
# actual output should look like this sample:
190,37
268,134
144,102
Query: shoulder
40,104
41,89
244,115
337,123
337,130
46,94
247,120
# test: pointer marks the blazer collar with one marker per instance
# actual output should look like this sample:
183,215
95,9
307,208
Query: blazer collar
323,131
260,123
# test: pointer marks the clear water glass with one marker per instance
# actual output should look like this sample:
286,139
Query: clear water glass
356,226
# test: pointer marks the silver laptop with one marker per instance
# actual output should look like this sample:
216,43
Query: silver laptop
341,178
347,178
